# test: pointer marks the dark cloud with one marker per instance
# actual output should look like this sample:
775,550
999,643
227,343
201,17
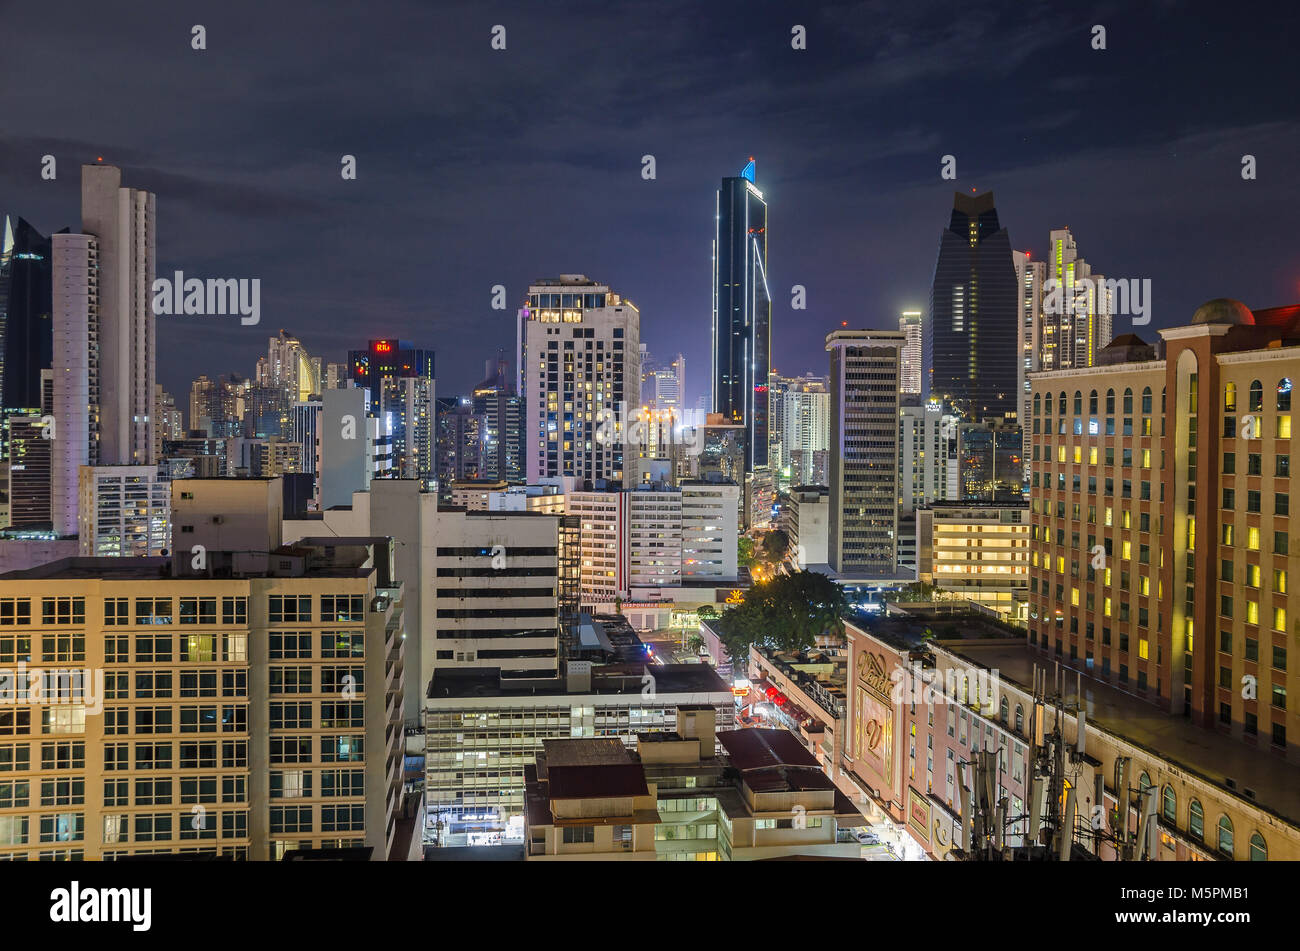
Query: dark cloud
479,167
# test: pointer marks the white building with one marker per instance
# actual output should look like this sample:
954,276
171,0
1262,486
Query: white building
124,511
655,537
806,428
807,513
356,446
910,324
579,378
104,349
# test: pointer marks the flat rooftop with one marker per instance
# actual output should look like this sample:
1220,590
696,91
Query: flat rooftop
1212,756
614,680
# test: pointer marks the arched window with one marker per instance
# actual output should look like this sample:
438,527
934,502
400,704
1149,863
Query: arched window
1128,402
1256,396
1092,403
1110,401
1144,783
1038,403
1196,820
1078,403
1284,394
1225,836
1258,848
1146,400
1003,708
1061,404
1170,806
1230,398
1020,718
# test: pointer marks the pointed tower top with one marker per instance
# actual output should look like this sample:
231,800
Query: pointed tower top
749,170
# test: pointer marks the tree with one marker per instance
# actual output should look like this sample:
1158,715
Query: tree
745,551
707,612
788,613
775,544
695,642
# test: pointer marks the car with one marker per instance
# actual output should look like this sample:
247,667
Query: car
866,837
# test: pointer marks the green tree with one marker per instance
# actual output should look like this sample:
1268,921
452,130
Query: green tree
707,612
745,551
775,544
787,613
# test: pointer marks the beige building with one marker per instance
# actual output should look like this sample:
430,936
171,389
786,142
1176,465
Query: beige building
678,798
976,550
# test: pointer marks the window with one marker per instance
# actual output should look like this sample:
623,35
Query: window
63,611
153,610
579,834
1196,820
1170,806
1256,396
1225,836
342,607
234,610
116,612
1258,848
289,609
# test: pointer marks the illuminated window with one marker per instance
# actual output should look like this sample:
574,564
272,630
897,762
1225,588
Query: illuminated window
1144,585
1252,612
1146,456
1227,533
1284,426
1279,619
1142,649
1060,453
1074,597
1252,539
1126,548
1106,607
1109,517
1279,581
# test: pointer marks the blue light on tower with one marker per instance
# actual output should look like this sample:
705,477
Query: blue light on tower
749,170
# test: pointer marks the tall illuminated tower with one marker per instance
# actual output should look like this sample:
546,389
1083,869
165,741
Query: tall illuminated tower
742,312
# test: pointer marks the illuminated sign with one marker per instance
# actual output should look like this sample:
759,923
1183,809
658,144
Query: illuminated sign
383,346
736,597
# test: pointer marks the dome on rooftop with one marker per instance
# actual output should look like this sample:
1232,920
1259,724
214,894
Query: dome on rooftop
1224,310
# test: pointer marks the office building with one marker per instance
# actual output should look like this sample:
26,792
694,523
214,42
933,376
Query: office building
400,380
742,313
579,371
977,551
480,736
495,400
864,367
972,331
356,445
26,308
214,726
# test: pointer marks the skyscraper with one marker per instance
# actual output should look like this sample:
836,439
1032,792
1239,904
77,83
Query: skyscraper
495,399
104,353
742,312
580,364
26,328
863,529
910,324
971,335
400,378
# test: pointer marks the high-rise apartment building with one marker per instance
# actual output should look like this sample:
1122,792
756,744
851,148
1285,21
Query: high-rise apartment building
125,511
910,324
806,427
864,368
971,334
742,313
579,371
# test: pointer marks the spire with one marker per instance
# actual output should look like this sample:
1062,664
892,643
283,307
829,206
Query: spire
7,240
749,170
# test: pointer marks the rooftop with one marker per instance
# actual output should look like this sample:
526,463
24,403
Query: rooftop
1212,756
613,679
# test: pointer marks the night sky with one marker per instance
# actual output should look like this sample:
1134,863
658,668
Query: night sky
479,167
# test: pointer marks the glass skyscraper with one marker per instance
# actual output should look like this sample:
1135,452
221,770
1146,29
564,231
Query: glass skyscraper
26,328
972,332
742,312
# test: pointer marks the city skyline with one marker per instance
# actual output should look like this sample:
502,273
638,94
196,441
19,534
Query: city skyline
279,210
